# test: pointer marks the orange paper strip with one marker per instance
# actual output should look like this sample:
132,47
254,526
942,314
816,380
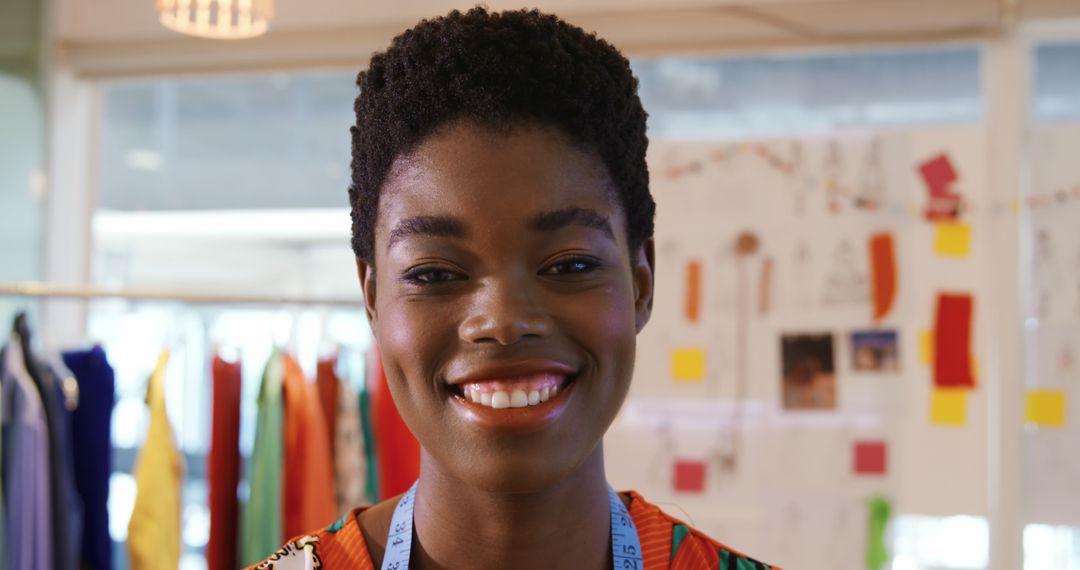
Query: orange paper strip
883,268
693,291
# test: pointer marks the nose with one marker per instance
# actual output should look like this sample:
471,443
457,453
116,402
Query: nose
505,312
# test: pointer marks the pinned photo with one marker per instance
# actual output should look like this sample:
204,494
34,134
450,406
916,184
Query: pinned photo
809,380
875,351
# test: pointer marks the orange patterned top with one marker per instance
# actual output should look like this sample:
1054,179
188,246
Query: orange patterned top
666,543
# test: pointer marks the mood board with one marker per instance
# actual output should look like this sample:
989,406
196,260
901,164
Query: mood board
812,360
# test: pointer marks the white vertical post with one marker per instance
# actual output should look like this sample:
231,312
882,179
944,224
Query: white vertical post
70,163
1006,86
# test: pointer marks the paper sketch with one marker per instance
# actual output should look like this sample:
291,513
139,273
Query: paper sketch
846,282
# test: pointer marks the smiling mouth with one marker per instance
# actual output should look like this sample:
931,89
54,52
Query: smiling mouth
523,392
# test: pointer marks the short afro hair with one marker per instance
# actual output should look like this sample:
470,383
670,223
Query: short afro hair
498,70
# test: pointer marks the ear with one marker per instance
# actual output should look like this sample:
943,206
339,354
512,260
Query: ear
366,273
643,262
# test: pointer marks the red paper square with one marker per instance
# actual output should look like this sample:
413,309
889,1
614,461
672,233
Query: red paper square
870,458
689,476
938,174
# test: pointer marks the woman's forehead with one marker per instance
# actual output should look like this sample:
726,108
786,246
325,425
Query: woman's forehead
471,172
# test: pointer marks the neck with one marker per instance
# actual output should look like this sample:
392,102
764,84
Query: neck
565,526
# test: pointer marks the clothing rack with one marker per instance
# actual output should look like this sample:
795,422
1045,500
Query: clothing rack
58,290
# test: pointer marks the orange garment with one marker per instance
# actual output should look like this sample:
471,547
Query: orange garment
341,545
327,382
308,482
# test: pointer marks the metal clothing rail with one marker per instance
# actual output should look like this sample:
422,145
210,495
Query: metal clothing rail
56,290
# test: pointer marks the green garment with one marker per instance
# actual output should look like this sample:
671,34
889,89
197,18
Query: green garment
372,486
262,515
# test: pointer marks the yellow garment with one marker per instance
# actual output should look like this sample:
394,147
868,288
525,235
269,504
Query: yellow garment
154,531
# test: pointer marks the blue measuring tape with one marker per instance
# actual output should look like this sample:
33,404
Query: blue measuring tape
625,545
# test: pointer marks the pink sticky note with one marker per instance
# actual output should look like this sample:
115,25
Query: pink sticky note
689,476
870,458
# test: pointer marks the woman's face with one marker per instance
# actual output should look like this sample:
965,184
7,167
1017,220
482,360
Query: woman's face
504,276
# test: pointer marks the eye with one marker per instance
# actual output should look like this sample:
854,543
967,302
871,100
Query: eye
571,266
431,275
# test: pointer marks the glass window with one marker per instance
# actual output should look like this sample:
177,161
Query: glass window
228,184
1056,95
783,95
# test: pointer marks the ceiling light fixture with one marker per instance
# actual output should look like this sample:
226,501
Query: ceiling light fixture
217,19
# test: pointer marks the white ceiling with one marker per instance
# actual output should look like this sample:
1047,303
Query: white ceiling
102,32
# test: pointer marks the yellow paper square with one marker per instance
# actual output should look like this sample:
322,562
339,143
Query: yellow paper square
948,407
688,364
1046,408
926,346
953,239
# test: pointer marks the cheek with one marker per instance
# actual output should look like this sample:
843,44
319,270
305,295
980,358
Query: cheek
412,338
606,323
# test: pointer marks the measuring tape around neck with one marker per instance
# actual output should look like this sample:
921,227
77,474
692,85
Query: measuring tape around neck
625,546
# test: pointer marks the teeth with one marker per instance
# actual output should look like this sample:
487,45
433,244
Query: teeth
500,400
518,399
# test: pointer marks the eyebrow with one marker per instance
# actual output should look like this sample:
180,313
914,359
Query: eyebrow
572,216
439,226
448,226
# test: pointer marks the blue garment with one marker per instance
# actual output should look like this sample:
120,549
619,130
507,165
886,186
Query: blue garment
26,470
66,507
3,423
92,422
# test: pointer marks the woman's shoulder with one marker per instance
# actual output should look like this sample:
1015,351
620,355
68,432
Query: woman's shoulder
339,545
667,542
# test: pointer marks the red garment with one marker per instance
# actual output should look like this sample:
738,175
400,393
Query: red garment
327,381
223,466
396,450
308,495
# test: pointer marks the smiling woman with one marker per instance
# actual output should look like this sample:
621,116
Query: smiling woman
502,226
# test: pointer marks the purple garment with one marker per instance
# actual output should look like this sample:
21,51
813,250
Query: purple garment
91,438
26,467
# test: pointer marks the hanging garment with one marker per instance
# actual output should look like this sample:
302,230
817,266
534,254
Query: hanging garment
92,451
26,466
224,466
327,381
349,466
308,502
397,449
371,488
66,508
3,431
261,526
154,530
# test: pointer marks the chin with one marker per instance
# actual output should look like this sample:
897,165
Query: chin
520,471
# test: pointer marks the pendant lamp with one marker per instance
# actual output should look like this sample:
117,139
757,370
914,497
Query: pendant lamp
217,19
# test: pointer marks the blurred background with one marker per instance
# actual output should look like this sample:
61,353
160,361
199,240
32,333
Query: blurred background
866,349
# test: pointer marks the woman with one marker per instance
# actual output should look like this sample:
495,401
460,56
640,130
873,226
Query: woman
502,225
